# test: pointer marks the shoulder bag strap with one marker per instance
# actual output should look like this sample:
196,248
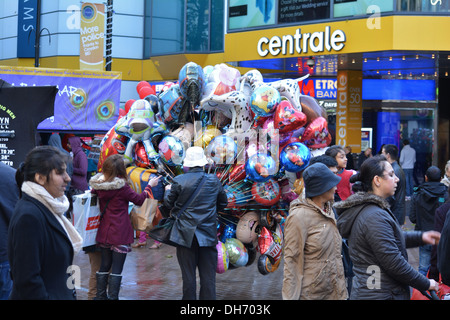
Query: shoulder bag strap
194,194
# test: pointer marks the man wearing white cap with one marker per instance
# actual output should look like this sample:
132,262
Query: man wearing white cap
195,229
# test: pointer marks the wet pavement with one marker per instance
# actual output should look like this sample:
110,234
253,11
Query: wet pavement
154,274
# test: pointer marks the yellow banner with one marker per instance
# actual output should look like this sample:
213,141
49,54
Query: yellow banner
349,109
92,34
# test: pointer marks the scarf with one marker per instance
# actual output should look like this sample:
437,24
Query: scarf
57,206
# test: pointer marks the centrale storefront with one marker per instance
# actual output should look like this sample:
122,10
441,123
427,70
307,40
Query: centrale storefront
381,79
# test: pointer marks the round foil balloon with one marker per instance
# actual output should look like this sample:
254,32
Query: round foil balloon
204,138
247,227
172,151
295,157
264,100
266,193
237,252
222,258
260,167
222,150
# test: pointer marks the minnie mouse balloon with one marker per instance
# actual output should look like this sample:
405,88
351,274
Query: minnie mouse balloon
264,101
247,227
287,118
266,193
295,157
316,135
260,167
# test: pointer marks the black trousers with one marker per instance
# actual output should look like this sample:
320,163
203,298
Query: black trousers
203,258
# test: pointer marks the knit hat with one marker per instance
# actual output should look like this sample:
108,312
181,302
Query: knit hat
318,179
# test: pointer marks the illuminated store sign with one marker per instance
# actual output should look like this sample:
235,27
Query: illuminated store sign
302,43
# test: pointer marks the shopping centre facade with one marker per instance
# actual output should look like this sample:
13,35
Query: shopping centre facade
379,68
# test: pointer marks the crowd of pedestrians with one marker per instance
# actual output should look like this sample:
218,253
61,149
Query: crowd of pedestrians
343,237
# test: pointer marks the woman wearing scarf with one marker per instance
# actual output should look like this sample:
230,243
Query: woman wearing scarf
42,241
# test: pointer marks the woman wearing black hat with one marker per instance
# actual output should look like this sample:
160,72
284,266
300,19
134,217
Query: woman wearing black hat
377,244
313,268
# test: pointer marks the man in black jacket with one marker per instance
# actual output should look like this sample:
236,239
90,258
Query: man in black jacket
397,201
426,199
195,229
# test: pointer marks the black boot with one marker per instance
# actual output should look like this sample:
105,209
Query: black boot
114,286
102,283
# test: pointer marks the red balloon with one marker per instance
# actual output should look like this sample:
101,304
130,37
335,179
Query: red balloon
266,193
237,173
141,85
146,91
287,118
112,143
140,156
316,134
128,105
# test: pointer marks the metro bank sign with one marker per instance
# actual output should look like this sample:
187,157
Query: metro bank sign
316,42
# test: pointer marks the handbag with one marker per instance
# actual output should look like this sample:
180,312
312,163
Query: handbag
162,231
142,217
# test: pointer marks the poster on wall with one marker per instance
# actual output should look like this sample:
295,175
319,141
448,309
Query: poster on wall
302,10
92,35
245,14
21,110
85,101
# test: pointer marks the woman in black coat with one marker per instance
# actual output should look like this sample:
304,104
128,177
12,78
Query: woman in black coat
42,241
377,244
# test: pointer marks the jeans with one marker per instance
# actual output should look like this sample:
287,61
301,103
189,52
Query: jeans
205,258
409,176
5,281
424,258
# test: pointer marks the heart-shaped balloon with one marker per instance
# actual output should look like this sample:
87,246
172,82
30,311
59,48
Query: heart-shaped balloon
316,134
237,173
287,118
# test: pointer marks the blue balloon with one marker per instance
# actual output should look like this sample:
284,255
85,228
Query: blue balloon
295,157
229,231
191,75
260,167
264,101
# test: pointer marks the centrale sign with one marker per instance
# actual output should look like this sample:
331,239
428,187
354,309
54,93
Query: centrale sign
302,43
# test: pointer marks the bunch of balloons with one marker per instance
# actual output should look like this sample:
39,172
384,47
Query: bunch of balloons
257,135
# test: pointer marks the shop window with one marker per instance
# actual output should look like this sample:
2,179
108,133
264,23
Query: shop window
423,5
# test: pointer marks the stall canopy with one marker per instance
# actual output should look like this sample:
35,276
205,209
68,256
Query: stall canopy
86,101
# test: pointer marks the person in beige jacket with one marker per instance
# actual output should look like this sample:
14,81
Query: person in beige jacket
313,268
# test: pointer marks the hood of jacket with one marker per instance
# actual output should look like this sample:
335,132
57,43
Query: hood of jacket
349,209
75,144
98,182
308,203
429,191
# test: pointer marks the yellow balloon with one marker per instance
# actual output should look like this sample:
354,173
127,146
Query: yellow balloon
207,135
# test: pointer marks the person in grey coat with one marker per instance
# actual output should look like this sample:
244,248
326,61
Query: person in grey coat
195,230
377,244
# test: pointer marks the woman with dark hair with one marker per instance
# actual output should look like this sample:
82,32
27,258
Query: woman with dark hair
42,241
115,233
377,244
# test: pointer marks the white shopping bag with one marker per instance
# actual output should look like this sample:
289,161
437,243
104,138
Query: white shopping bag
86,217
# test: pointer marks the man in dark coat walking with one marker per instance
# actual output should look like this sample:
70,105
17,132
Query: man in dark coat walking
425,200
397,201
195,230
